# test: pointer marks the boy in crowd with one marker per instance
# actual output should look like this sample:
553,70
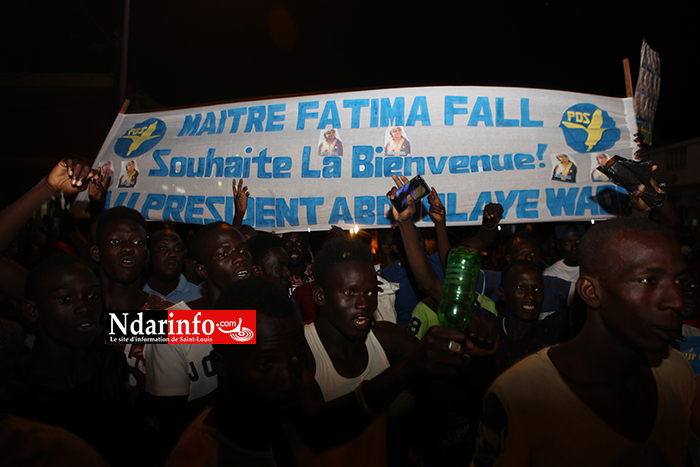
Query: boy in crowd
568,237
68,369
299,251
259,385
558,293
181,376
222,258
521,294
447,415
120,249
167,262
347,349
267,386
270,260
616,393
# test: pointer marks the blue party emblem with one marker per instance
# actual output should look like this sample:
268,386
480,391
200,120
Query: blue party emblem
588,128
140,139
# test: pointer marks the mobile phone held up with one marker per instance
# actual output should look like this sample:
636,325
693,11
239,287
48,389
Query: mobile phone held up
630,174
416,187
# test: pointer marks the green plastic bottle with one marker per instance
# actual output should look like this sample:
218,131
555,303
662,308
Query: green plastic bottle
459,288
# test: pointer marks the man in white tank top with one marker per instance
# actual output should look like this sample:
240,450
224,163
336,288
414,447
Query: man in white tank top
349,351
347,347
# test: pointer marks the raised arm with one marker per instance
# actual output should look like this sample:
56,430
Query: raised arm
415,250
493,213
439,218
240,202
69,176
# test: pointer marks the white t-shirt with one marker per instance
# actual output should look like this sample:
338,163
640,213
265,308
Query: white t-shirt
179,369
562,271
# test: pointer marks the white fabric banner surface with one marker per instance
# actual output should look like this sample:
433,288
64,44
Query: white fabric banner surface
322,160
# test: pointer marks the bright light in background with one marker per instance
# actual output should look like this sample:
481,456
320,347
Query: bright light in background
592,221
308,229
499,228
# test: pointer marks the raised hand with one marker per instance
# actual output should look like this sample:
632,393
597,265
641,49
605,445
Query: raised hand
437,210
638,204
240,196
493,213
97,189
483,338
407,213
70,176
240,202
336,231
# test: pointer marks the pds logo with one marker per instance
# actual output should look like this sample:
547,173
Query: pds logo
588,128
140,139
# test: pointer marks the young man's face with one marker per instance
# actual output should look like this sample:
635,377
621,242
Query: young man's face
226,257
568,246
167,254
350,298
297,245
639,290
275,268
523,293
523,248
123,253
70,305
271,370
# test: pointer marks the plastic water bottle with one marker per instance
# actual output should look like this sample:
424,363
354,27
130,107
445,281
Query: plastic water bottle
459,288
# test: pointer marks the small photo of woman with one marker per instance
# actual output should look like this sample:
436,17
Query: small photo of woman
396,142
564,169
330,145
129,175
598,160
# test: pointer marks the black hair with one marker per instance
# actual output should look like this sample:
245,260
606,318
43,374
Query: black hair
247,229
39,273
201,235
260,246
526,235
118,213
510,267
255,293
591,245
304,234
163,227
339,250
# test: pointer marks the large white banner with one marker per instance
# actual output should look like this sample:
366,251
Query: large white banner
322,160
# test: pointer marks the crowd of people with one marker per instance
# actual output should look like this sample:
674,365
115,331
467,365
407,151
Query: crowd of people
569,358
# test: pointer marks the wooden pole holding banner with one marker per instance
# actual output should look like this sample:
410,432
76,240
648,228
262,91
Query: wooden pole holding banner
628,78
125,105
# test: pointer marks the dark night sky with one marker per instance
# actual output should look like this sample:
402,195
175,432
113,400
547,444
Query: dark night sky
185,53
